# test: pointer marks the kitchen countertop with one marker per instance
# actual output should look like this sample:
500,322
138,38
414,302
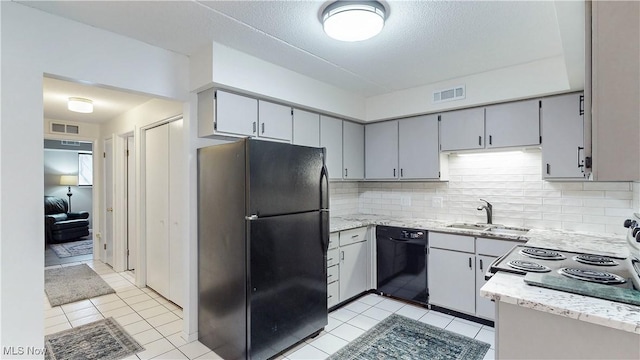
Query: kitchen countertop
512,289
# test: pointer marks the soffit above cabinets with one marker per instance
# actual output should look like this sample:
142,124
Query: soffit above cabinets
423,42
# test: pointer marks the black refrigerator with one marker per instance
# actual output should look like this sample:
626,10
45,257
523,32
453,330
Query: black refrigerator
263,233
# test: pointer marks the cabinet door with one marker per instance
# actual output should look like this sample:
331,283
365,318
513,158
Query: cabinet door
513,124
562,137
485,308
353,270
353,146
419,155
306,128
176,209
236,114
462,129
274,120
452,280
381,149
157,208
331,139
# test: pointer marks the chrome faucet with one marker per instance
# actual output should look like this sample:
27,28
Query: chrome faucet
489,208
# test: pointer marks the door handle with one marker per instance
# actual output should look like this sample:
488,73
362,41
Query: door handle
262,125
342,255
580,148
480,140
548,169
480,264
490,140
110,209
470,267
254,127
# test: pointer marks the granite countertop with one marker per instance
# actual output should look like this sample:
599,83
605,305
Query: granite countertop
512,289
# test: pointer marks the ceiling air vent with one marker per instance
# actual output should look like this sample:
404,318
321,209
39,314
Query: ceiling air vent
451,94
65,128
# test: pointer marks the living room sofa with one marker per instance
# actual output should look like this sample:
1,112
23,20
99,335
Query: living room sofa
62,225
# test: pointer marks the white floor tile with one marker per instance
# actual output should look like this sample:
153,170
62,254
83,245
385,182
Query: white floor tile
490,355
171,328
86,320
55,320
128,319
105,307
172,307
194,349
176,339
333,323
363,322
343,314
389,305
162,319
377,313
154,311
308,352
137,327
487,336
82,313
67,308
435,319
155,348
371,299
210,356
148,304
357,306
147,336
412,312
105,299
172,355
55,328
122,311
329,343
137,299
462,328
179,312
130,293
450,317
56,311
347,332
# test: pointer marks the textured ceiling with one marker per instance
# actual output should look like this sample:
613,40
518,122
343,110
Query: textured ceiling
423,42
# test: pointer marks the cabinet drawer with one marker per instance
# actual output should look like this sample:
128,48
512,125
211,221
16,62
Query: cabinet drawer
333,257
353,236
333,294
333,274
451,242
334,239
493,247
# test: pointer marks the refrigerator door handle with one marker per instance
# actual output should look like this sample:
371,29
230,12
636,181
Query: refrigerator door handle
324,207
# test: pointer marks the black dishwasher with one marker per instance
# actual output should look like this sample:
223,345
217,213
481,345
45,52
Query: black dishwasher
402,263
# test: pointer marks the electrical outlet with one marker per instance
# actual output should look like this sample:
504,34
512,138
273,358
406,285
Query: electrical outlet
405,200
436,201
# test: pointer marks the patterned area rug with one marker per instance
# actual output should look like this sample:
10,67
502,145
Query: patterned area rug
103,340
398,337
74,248
73,283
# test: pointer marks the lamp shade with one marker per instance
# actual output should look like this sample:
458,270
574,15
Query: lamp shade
80,105
69,180
353,20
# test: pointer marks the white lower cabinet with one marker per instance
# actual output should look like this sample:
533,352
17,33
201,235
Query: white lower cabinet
348,264
457,265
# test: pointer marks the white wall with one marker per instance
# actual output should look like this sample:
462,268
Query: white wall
65,162
512,183
33,44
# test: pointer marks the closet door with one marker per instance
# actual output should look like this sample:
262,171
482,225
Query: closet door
176,196
157,208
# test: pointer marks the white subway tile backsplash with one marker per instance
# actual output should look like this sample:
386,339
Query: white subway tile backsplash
511,182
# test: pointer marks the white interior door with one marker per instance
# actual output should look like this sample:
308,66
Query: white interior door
157,208
107,249
132,240
177,170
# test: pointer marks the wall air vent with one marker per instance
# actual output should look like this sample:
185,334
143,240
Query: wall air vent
64,128
455,93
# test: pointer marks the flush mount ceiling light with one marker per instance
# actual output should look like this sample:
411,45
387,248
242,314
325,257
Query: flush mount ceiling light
353,20
80,105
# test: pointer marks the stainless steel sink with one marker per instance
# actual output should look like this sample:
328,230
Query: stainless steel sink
467,226
507,230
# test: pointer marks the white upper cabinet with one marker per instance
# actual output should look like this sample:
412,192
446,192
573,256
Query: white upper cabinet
236,114
353,147
562,137
306,128
462,129
381,147
274,120
419,157
513,124
331,139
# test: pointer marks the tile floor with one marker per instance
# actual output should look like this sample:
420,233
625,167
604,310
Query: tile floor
156,323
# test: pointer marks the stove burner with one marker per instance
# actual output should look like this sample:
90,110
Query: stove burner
596,260
542,254
595,276
528,266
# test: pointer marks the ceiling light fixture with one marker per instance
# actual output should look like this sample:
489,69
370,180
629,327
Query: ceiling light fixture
80,105
353,20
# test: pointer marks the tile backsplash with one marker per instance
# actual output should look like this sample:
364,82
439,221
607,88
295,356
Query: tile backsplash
511,181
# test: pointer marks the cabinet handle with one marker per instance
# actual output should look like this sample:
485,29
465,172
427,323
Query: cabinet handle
329,297
580,148
354,236
480,264
346,172
330,276
254,127
548,169
401,172
262,127
342,255
470,267
490,140
581,105
330,259
394,172
480,140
